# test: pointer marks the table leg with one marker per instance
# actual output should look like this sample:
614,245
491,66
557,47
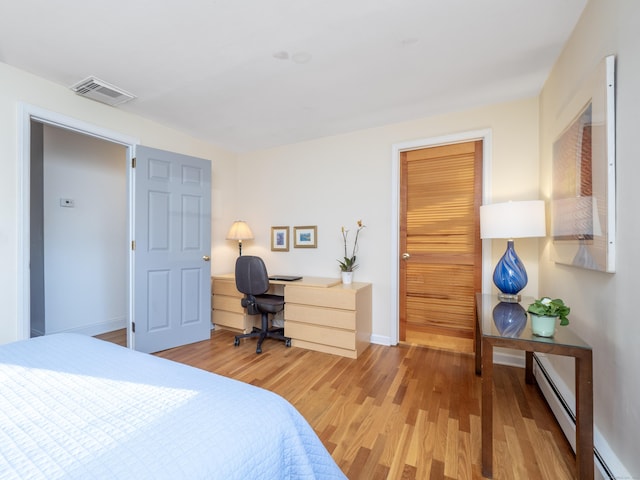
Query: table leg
487,408
529,377
584,416
478,346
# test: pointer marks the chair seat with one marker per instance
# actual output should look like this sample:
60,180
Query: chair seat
270,303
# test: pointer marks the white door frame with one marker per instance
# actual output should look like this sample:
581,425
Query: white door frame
26,113
396,150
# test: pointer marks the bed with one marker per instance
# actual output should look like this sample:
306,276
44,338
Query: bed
72,406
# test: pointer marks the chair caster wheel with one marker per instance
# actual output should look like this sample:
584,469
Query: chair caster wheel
236,342
258,350
287,342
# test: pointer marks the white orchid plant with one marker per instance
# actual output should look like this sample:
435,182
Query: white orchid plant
348,264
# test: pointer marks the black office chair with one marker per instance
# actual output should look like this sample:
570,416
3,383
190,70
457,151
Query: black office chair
252,280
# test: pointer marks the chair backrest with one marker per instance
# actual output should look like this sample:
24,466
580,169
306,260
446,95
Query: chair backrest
251,275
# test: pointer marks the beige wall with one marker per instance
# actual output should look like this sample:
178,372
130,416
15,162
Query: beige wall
335,181
604,310
17,86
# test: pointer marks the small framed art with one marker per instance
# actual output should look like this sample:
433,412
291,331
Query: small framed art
279,239
305,237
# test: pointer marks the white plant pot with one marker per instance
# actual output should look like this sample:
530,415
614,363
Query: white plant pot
347,277
543,326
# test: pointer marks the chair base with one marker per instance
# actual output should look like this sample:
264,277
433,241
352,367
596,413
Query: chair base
262,333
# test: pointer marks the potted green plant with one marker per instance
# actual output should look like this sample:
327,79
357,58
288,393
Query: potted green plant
348,263
544,313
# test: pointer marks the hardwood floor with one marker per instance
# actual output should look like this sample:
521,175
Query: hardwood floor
404,412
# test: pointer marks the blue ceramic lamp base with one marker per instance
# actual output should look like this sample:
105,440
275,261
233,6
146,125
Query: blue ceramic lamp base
510,275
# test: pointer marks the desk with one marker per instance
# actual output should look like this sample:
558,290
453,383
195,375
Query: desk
320,313
564,342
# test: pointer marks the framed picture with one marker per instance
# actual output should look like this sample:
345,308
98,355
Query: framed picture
305,237
279,239
583,195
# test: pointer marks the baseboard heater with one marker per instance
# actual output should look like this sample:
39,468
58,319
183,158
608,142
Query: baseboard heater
565,415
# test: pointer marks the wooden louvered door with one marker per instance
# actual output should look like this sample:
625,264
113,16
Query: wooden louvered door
440,269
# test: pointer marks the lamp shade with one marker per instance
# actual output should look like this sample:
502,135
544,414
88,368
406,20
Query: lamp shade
239,231
513,219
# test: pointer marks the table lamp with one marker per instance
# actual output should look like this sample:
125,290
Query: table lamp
511,220
240,231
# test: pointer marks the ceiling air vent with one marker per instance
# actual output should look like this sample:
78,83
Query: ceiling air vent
101,91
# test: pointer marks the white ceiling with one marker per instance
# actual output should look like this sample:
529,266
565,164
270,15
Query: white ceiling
211,67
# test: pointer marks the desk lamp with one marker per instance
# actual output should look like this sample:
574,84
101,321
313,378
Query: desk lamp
511,220
240,231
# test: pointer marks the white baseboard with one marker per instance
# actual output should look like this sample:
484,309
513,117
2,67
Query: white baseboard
562,402
36,333
97,328
380,340
512,358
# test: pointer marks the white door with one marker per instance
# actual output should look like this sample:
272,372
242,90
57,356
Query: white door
172,235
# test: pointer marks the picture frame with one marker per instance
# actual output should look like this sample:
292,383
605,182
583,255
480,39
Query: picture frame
305,237
583,195
280,239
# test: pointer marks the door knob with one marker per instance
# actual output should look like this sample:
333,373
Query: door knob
206,258
406,256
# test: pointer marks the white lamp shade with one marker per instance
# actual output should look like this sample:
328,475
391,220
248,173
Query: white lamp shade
513,219
239,231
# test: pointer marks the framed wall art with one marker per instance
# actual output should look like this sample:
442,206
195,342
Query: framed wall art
279,239
305,237
583,196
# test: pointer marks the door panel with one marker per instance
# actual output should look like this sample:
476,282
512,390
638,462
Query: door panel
172,302
441,271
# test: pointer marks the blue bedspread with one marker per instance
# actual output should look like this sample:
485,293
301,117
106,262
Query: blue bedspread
75,407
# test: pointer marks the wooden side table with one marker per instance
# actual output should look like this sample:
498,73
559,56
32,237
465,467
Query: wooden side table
490,334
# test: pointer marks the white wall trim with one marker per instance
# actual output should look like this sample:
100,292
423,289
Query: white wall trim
396,149
26,113
97,328
380,340
502,357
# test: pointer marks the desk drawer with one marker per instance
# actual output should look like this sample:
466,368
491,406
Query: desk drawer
326,317
226,287
340,296
230,304
237,321
321,335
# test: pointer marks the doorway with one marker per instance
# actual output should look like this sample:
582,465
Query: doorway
78,232
441,266
30,116
188,192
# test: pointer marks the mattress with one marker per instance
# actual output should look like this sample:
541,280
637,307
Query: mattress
74,407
